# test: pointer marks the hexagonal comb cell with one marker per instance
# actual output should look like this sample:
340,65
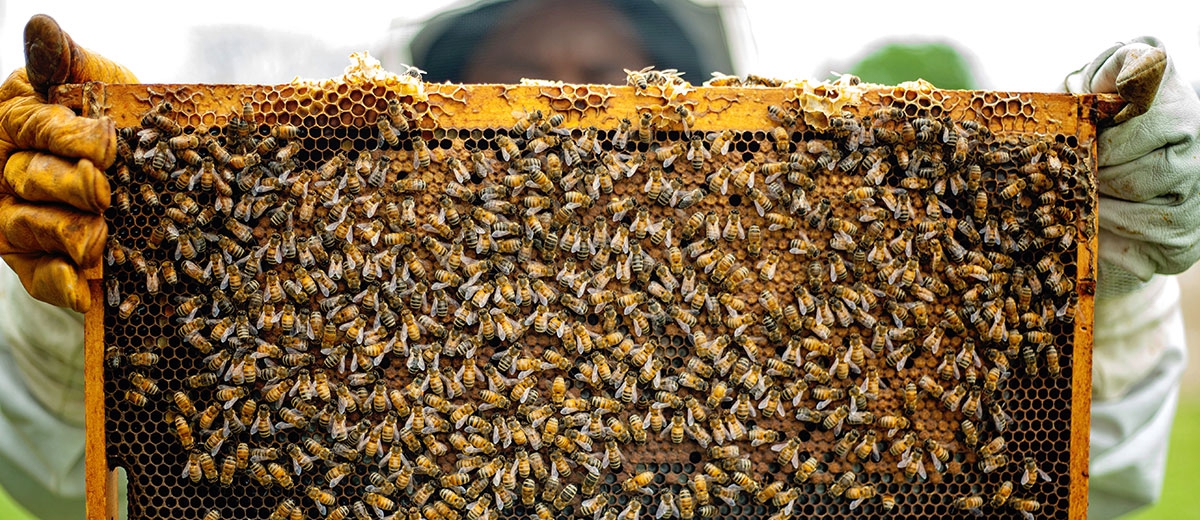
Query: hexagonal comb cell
360,300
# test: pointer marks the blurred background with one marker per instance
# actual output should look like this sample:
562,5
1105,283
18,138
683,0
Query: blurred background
1013,45
1016,45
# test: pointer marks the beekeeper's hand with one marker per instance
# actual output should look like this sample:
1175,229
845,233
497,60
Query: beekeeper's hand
53,189
1149,163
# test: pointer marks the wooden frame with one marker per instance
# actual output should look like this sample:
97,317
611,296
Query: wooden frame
492,105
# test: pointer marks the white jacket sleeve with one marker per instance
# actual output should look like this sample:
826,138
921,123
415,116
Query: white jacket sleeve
1139,360
41,403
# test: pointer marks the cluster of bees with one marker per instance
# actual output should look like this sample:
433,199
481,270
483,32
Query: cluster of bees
405,329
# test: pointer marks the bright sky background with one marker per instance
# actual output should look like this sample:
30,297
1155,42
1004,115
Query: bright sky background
1016,44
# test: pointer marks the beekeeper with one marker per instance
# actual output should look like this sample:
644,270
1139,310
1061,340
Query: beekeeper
53,191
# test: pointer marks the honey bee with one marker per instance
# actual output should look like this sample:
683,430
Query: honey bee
843,483
527,123
1052,361
193,469
128,306
1032,473
143,384
143,358
1031,152
845,443
566,496
228,467
893,423
209,416
1025,506
972,503
970,433
321,497
898,357
914,464
860,494
645,126
156,118
423,493
834,420
782,138
996,157
183,431
1013,189
207,465
509,149
281,475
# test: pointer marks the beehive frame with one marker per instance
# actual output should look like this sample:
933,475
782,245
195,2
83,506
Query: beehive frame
741,108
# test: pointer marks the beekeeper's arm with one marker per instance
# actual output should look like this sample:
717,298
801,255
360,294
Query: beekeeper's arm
52,192
1149,184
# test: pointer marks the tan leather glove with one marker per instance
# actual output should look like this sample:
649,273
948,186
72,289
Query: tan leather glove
53,189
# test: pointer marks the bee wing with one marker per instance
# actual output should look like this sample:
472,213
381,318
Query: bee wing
655,227
875,455
833,366
637,329
632,168
700,438
937,464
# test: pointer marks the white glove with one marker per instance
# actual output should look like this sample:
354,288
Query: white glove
1149,176
1148,179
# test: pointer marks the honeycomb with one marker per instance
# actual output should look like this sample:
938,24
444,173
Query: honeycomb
376,298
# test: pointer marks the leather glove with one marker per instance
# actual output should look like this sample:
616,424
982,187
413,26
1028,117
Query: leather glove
1149,160
53,189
